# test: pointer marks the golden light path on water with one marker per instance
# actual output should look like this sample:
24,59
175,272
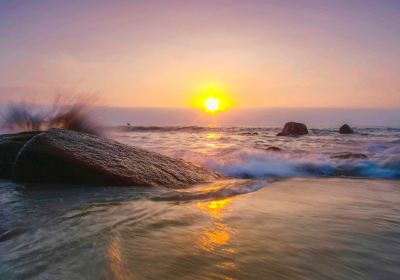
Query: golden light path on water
217,236
214,238
212,136
116,260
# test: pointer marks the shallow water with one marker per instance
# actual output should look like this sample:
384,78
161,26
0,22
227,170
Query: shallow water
289,229
294,214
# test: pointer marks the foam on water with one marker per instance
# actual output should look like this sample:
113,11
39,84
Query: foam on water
243,152
254,164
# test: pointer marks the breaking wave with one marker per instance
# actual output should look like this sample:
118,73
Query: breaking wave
256,152
252,163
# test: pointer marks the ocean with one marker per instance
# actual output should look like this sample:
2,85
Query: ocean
248,152
320,206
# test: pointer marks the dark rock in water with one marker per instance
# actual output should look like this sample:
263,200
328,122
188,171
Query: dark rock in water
69,157
346,129
269,148
10,144
273,148
349,156
248,133
293,129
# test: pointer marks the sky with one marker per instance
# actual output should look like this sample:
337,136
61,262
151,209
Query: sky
259,53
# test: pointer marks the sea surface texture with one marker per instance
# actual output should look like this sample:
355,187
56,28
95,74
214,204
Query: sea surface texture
252,153
321,206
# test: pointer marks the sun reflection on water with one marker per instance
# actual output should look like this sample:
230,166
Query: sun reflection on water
116,261
218,234
216,237
213,135
214,207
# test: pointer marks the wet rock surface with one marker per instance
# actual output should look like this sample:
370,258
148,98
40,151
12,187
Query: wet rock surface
68,157
293,129
10,145
346,129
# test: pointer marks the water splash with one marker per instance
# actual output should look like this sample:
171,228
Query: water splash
73,114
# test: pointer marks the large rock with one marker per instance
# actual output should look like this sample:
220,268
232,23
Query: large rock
346,129
10,144
293,129
69,157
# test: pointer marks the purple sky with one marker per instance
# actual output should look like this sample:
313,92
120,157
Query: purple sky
157,53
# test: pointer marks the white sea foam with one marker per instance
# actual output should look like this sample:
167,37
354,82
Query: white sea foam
243,152
251,163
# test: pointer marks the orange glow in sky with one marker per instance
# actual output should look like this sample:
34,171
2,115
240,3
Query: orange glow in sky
212,98
155,53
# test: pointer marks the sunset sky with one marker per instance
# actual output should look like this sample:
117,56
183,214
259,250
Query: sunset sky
162,53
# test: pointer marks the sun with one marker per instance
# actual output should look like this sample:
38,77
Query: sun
211,98
212,104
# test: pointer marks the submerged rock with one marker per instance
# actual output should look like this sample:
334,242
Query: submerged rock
10,144
248,133
293,129
346,129
69,157
349,156
273,149
270,148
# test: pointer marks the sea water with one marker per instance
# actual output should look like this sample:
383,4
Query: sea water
298,213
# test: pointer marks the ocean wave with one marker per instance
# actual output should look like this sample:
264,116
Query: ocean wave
251,163
255,152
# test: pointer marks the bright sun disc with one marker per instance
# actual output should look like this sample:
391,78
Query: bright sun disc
211,98
212,104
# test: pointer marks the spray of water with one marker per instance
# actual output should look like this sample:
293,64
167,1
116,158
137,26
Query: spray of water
68,113
23,117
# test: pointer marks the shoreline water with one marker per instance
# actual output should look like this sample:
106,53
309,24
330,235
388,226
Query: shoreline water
303,228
